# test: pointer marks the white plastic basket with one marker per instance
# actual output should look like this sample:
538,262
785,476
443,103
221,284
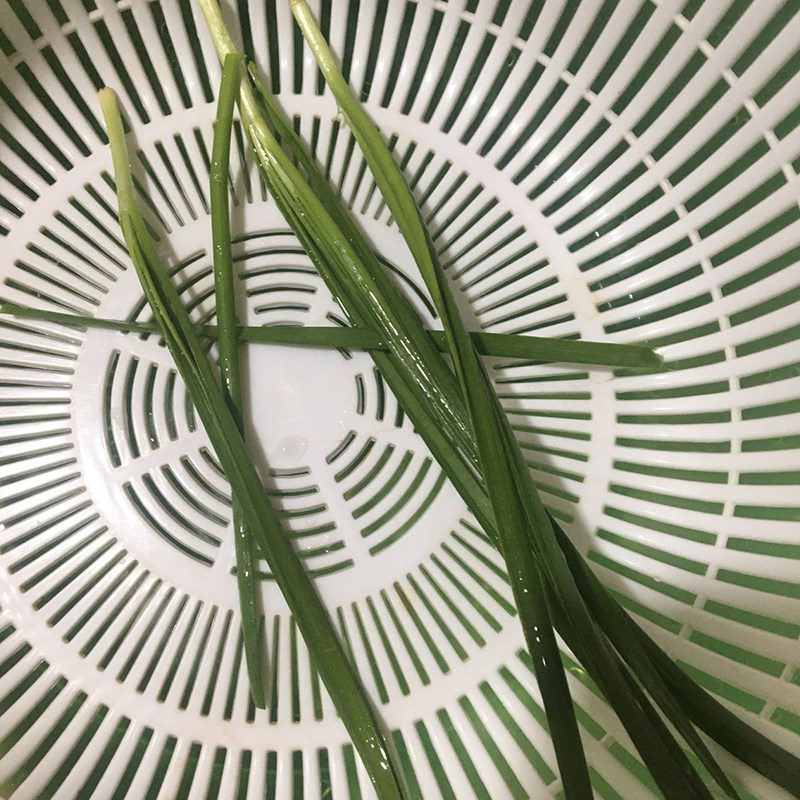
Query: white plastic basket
617,170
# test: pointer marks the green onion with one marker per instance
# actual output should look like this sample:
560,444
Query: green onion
334,245
649,663
707,713
496,447
342,258
521,520
227,341
326,651
499,345
672,770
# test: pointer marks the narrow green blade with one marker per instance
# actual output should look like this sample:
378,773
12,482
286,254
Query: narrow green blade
227,341
497,465
514,499
326,651
474,493
501,345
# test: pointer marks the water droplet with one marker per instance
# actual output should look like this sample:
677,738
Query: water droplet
289,451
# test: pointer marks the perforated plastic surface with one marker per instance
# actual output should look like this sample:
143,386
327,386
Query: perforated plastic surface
618,170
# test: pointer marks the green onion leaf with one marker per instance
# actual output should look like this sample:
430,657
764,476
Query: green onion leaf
322,239
499,345
327,653
495,444
521,520
227,341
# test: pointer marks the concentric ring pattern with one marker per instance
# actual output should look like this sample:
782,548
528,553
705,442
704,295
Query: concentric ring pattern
618,169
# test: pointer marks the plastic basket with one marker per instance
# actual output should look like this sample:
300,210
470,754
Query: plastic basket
608,170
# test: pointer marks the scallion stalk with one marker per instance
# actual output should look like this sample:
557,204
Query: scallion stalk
673,772
327,654
228,344
521,521
498,345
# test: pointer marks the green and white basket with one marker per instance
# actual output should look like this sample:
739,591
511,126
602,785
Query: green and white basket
609,169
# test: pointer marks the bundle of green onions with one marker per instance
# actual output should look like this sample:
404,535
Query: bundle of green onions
459,416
